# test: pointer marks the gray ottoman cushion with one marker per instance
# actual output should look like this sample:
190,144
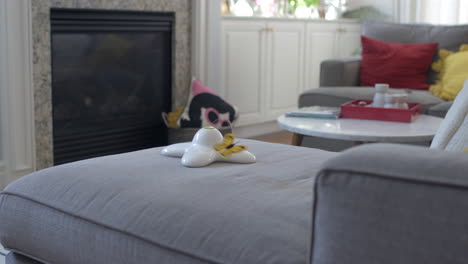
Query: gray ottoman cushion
14,258
440,109
335,96
142,207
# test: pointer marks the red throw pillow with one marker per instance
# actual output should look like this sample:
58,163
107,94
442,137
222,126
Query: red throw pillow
399,65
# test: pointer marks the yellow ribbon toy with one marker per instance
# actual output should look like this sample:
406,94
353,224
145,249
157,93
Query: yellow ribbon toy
228,147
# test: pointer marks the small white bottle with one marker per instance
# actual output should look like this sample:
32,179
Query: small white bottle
390,101
403,101
379,97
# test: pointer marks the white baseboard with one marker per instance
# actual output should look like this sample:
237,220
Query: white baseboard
3,251
3,179
256,129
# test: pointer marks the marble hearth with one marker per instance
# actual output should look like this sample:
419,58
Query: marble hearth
42,60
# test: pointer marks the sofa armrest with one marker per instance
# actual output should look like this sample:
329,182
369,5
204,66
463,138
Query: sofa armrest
340,72
383,203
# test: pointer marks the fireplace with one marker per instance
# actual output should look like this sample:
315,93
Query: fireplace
111,79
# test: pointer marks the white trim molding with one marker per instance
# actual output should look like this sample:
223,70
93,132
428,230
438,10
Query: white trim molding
3,175
3,99
255,130
206,42
198,38
16,88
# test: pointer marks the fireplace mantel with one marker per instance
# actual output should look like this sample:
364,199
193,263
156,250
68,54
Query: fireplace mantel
40,19
111,80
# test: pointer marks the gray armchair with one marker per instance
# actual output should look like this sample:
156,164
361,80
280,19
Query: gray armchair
382,203
340,72
339,78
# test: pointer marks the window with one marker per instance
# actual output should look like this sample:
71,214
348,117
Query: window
449,12
328,9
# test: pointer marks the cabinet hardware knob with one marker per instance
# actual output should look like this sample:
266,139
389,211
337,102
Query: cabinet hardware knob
268,29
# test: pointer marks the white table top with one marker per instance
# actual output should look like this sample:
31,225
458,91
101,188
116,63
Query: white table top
420,130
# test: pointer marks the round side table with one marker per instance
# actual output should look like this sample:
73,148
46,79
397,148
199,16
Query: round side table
360,131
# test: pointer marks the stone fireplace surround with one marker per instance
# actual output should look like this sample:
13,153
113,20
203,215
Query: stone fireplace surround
42,60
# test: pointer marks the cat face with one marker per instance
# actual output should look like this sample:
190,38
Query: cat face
211,117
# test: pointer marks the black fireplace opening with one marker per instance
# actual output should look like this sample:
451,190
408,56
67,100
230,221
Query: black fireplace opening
111,79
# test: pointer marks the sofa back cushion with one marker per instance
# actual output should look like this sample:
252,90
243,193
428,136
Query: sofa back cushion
448,37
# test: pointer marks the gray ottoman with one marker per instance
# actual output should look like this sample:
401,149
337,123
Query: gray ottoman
141,207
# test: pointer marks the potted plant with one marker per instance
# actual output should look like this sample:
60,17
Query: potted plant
302,8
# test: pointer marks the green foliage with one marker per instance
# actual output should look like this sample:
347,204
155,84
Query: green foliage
310,3
298,3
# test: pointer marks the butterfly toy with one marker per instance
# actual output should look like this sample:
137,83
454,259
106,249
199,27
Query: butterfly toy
208,146
229,147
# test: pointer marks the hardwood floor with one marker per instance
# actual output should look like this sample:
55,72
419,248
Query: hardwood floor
282,137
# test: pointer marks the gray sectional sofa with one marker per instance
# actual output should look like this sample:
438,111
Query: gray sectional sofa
376,203
339,78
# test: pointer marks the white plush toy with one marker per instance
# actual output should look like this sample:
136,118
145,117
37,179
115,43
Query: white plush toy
208,146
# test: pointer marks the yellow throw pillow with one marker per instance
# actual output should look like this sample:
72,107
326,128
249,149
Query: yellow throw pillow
453,71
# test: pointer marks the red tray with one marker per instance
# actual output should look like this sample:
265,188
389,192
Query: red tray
353,110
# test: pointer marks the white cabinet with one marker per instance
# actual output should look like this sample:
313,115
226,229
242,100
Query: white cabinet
348,39
321,42
329,40
267,63
262,67
242,74
284,64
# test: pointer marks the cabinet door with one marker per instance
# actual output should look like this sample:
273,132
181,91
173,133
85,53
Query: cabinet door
285,65
320,46
349,39
243,44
